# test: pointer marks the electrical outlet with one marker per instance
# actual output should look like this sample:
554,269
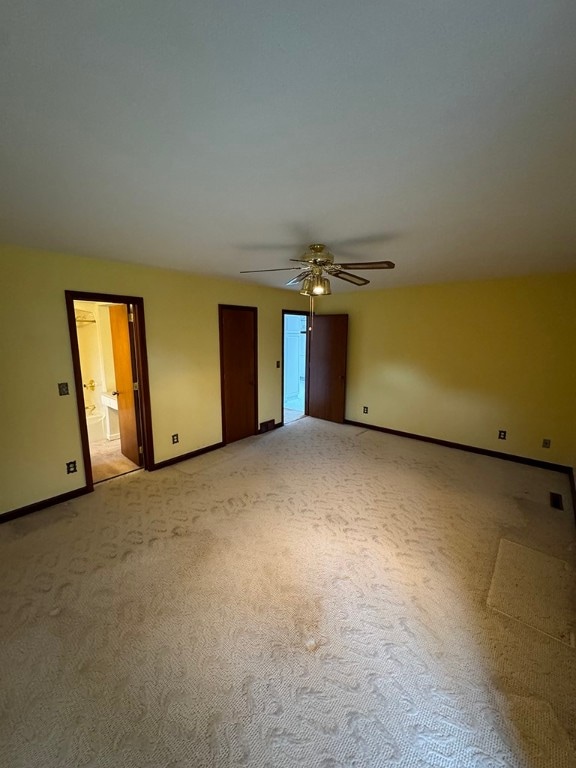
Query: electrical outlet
546,443
501,434
175,438
71,467
365,409
63,388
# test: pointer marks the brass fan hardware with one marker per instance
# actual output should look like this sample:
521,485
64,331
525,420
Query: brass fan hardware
317,265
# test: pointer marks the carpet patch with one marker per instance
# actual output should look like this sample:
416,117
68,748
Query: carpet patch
536,589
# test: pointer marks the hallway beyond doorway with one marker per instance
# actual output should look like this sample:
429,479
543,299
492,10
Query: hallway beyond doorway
294,379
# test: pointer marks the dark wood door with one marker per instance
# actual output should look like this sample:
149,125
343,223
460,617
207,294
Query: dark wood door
123,372
327,367
238,371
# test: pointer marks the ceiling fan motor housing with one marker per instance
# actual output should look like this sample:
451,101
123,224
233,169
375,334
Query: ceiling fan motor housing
318,254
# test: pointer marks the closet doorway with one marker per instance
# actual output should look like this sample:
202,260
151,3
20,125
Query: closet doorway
110,370
314,369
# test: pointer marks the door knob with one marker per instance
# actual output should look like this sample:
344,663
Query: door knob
115,392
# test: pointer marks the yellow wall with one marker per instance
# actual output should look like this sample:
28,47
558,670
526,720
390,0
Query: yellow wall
460,361
456,362
39,431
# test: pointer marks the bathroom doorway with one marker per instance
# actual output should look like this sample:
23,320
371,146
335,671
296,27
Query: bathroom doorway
111,383
294,345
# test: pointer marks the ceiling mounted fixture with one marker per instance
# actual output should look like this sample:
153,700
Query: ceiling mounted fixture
317,263
315,284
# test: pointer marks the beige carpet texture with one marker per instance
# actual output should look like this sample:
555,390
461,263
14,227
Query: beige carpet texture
320,596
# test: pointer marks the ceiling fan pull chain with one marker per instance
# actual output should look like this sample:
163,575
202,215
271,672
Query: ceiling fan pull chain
311,312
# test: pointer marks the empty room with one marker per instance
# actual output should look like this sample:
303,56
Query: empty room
207,211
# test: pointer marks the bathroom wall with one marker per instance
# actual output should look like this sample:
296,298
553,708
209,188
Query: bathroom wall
107,358
91,365
97,363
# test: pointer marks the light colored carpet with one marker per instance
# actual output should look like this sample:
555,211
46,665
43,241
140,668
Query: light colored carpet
536,589
315,596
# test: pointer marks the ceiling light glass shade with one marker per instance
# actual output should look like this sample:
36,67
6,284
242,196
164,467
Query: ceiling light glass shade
321,286
316,286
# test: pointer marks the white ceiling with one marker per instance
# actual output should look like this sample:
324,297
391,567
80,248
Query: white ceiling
200,135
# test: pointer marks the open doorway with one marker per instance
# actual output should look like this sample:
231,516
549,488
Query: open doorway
295,334
111,384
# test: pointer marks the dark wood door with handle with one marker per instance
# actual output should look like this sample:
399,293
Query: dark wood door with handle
328,343
125,378
238,372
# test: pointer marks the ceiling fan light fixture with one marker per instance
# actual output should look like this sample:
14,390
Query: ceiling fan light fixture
318,261
321,287
307,286
316,285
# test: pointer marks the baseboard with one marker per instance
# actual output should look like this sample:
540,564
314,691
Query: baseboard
482,451
38,505
471,449
271,426
186,456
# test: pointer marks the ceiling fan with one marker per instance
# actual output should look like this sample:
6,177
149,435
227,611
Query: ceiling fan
317,262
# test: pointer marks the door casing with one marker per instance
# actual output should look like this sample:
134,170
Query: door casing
140,364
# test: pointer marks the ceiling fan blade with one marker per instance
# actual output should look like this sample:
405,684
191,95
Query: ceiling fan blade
355,279
279,269
299,278
369,265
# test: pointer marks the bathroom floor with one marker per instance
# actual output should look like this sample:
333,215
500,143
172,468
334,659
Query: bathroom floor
294,408
108,460
292,415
